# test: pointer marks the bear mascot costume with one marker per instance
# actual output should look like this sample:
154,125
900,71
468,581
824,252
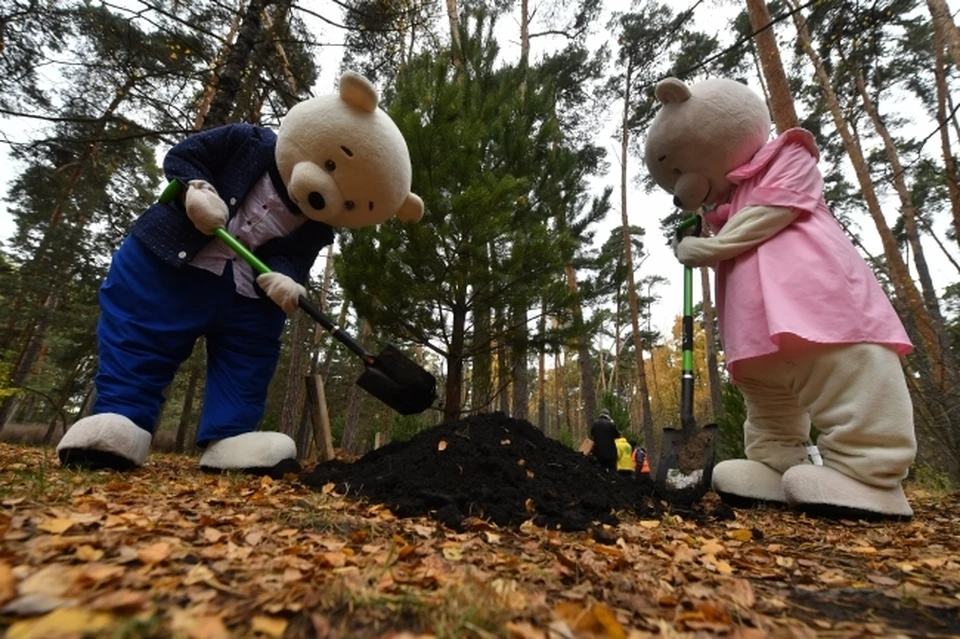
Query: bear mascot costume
336,161
808,334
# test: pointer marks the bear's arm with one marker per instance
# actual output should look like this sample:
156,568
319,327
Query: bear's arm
206,155
748,228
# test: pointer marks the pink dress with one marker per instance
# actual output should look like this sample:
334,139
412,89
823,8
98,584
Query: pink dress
808,280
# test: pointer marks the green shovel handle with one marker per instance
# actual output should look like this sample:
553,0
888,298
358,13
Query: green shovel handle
175,188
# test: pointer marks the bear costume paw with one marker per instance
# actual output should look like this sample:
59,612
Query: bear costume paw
824,492
107,440
258,453
743,483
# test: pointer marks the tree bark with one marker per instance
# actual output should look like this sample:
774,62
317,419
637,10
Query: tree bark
907,207
949,161
781,101
945,28
588,404
642,390
352,442
453,18
238,60
710,337
186,415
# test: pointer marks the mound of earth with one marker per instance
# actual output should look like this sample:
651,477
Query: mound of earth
493,467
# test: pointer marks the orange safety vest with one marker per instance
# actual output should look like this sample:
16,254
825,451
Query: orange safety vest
644,466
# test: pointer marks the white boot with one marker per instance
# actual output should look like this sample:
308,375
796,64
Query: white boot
259,452
825,492
745,483
107,440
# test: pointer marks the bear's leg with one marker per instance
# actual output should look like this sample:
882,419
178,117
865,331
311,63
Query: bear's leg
774,434
859,401
146,329
241,358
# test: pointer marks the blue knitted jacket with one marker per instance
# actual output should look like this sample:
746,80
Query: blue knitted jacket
232,158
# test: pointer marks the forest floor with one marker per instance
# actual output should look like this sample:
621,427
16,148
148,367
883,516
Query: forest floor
168,551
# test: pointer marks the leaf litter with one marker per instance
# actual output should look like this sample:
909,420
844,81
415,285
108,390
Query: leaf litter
167,551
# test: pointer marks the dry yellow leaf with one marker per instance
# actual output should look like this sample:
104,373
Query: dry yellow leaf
120,601
54,580
605,617
452,553
199,627
272,626
96,573
63,622
212,535
524,630
56,526
88,553
154,553
650,523
8,588
740,534
442,445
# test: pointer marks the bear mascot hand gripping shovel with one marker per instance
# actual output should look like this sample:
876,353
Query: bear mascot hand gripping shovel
810,337
337,161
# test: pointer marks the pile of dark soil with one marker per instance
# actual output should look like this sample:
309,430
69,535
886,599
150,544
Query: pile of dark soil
493,467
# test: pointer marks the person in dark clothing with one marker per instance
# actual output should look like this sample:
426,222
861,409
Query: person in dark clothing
604,434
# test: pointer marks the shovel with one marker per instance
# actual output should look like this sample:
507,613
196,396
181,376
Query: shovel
687,454
391,376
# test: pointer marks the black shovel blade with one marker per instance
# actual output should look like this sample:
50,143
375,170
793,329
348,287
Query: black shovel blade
686,460
399,382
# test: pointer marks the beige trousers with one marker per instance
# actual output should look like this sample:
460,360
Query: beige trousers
856,396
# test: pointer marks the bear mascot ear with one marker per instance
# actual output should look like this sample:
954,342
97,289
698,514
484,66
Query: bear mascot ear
359,92
671,90
412,208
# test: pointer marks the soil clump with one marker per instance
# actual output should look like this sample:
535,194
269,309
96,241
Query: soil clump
496,468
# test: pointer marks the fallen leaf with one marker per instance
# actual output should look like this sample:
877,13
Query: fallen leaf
56,526
60,623
524,630
442,446
126,601
35,604
54,580
198,627
8,588
212,535
272,626
741,534
154,553
98,573
88,553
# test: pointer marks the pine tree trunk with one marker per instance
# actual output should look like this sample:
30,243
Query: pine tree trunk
453,18
186,414
949,161
518,360
642,390
454,389
503,385
296,368
781,100
481,387
945,27
908,209
238,60
584,359
542,376
352,442
211,87
713,364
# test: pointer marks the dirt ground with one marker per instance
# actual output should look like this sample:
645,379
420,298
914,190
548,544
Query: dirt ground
498,548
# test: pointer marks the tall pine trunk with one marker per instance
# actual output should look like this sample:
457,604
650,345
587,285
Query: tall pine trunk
781,101
645,410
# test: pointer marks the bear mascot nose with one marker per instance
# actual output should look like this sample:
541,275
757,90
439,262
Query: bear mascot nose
316,201
676,202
